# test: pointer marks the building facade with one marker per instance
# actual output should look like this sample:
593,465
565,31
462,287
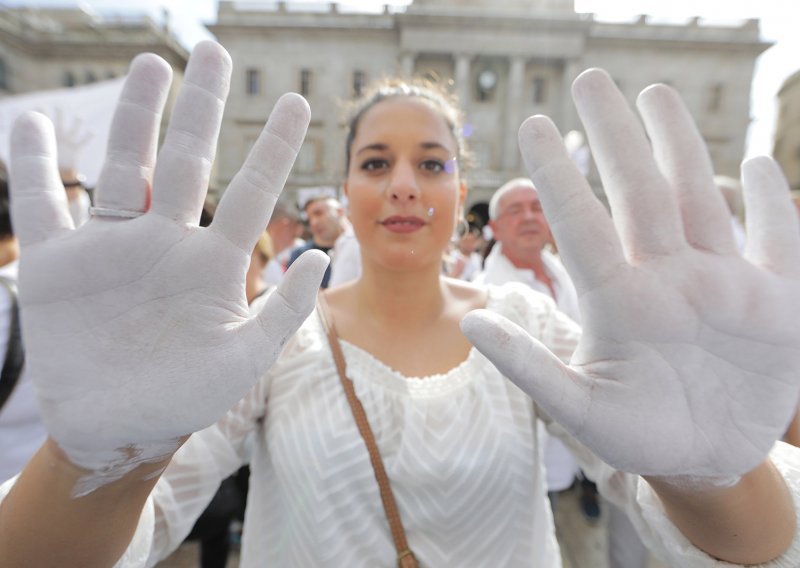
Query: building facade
44,49
787,130
504,61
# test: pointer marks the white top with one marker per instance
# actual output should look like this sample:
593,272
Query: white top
461,451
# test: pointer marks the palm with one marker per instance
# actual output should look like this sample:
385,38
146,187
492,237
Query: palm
137,330
689,356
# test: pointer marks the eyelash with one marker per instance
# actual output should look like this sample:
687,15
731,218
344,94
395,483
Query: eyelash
375,164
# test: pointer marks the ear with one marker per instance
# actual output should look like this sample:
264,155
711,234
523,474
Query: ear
346,189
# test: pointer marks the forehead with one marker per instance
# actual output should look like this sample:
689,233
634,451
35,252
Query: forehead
319,206
518,195
406,119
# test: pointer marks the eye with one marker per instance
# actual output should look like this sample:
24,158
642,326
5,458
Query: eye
374,164
433,166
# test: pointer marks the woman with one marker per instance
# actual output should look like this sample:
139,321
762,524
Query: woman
458,440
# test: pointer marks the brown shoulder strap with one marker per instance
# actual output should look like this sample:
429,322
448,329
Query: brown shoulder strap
405,558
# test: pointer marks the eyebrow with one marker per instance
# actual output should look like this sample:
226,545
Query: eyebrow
381,147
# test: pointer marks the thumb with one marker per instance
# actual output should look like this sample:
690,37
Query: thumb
288,307
530,365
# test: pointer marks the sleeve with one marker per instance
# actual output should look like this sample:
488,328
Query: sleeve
641,504
195,472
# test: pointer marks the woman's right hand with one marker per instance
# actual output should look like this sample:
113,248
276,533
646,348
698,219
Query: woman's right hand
137,331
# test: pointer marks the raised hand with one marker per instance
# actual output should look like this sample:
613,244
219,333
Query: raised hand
689,364
136,325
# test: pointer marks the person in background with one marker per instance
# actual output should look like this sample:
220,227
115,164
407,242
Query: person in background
464,260
284,228
327,222
21,428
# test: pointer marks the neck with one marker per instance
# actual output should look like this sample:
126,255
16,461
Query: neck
400,299
9,250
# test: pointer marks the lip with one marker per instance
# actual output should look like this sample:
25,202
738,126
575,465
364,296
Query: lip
402,224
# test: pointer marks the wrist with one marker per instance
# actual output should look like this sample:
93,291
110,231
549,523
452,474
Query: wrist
93,470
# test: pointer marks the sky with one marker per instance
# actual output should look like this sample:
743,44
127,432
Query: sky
779,24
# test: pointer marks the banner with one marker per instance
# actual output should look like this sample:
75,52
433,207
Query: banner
82,119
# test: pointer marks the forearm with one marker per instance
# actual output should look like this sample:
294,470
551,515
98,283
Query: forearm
41,524
750,523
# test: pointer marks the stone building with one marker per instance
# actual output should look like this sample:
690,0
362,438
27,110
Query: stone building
787,131
504,60
42,49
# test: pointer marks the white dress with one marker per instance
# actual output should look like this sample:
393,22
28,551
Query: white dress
460,449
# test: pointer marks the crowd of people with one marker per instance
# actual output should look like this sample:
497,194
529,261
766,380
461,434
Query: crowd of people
398,399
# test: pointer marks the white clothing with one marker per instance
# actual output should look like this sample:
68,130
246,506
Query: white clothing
472,264
560,465
499,270
460,449
345,258
21,428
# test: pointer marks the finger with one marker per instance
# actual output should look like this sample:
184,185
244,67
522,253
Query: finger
587,241
127,173
529,365
683,159
644,210
288,307
38,200
773,235
247,204
184,162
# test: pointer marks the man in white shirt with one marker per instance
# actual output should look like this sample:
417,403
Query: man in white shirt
521,232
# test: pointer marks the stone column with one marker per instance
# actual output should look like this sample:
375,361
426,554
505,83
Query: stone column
407,61
514,114
566,114
462,79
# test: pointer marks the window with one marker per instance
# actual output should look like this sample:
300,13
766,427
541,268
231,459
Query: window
3,75
90,77
305,82
358,83
539,90
253,82
485,84
69,79
715,95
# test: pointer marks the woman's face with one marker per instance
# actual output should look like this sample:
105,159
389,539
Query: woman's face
403,186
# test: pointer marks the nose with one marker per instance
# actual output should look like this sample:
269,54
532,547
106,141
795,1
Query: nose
403,184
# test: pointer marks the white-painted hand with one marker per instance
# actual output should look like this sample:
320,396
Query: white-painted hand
689,366
137,331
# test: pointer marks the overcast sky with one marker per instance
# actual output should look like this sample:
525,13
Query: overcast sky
780,21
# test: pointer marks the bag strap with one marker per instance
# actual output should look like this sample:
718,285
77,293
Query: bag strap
405,557
15,355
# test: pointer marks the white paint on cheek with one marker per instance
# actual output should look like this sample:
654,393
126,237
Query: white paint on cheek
430,212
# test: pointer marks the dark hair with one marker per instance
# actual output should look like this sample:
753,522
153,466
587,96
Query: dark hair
393,88
6,230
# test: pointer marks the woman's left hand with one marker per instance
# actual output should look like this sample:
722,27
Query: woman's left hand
689,364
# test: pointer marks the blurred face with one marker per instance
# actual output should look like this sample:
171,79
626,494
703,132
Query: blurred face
520,225
324,221
403,185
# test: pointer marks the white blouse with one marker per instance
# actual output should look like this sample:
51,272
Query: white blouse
461,451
